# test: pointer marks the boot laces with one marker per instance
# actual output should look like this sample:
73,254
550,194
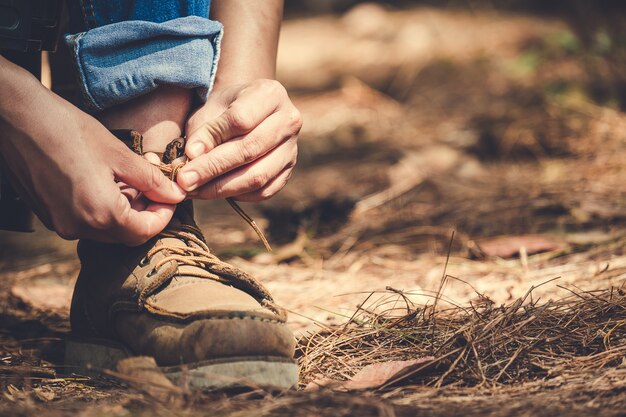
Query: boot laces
200,256
207,265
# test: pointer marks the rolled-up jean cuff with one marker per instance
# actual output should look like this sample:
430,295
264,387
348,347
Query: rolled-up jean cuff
121,61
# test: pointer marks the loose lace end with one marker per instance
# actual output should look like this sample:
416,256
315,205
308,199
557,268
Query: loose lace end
251,222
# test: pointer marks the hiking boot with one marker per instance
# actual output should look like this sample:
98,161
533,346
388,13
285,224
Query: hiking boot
205,322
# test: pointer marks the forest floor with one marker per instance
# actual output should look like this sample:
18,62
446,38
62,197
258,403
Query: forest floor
452,241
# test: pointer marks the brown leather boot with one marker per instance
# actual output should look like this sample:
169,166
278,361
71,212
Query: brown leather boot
204,321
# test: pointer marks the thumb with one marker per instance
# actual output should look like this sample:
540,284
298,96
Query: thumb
147,178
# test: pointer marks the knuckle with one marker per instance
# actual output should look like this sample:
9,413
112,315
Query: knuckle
250,149
265,83
289,174
208,131
295,148
266,194
292,144
209,169
294,118
271,87
239,120
276,87
258,180
210,190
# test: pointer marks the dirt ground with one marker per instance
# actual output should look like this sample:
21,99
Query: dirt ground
452,240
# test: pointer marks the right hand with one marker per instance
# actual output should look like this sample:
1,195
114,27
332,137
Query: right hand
79,179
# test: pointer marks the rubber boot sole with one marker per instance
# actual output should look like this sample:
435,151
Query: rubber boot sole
92,357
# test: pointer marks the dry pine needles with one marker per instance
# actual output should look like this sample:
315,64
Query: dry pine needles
480,345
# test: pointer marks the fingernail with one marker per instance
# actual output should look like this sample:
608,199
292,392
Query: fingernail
195,150
188,179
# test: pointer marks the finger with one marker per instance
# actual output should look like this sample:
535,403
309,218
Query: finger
252,177
137,200
140,203
137,227
270,190
219,101
116,219
152,157
127,191
237,152
147,178
251,107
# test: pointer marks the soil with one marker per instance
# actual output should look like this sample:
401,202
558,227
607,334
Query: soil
456,169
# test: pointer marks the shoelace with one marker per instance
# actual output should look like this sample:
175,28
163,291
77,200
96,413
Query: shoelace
209,266
201,257
171,171
173,159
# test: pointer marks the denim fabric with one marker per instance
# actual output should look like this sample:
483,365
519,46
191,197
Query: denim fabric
105,12
132,47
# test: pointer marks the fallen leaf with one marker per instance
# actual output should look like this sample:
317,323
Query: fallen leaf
378,374
44,294
509,246
323,382
44,394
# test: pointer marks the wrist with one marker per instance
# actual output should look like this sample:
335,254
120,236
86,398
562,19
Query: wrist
240,78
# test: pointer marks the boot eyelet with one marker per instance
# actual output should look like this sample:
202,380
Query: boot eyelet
144,261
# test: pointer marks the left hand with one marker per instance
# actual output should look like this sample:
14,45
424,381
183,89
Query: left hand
241,143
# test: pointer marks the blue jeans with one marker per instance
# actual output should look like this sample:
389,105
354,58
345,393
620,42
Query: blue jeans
126,48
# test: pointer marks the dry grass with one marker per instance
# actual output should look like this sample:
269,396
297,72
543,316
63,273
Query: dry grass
478,345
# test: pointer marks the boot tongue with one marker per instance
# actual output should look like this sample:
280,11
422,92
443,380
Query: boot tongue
183,214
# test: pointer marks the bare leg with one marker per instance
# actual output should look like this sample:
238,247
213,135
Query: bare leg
159,116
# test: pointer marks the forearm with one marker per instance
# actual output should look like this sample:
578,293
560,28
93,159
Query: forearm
16,87
250,43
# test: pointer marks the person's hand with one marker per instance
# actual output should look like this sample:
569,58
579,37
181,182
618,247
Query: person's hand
79,179
242,143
